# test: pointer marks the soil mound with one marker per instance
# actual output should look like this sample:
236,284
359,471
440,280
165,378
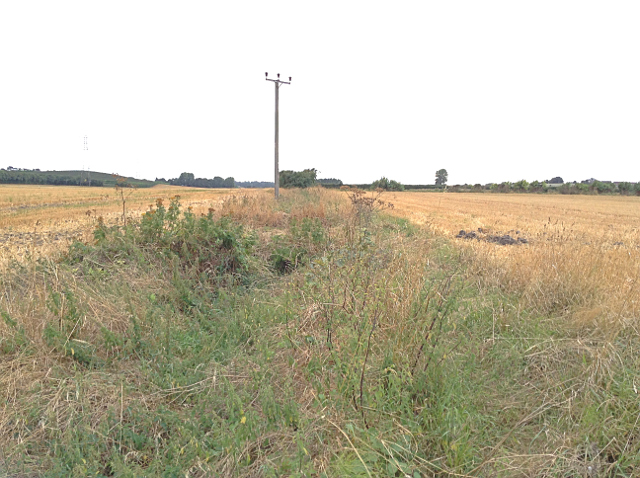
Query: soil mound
481,235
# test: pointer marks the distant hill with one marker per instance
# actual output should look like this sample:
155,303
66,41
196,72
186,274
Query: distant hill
68,178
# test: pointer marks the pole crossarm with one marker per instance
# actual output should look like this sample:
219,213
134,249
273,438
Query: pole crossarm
277,83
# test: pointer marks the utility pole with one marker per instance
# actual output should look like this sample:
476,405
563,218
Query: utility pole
277,83
87,179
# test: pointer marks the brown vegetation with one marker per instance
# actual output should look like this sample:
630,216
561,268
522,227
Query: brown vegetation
581,259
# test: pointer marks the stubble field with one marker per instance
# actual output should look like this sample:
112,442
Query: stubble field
582,253
587,218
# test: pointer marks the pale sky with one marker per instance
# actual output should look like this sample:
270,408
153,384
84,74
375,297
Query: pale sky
489,90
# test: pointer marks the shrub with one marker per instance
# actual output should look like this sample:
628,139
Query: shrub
521,185
204,245
387,185
625,188
602,187
298,179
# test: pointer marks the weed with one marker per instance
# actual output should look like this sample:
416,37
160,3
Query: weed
305,239
16,340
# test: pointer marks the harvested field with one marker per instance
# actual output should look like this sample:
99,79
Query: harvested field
37,220
560,217
581,256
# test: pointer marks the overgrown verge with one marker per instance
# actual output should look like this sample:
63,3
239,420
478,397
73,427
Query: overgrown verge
315,336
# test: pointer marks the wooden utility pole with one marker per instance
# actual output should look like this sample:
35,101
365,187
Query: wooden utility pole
277,83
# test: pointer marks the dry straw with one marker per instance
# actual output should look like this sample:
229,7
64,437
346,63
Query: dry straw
582,255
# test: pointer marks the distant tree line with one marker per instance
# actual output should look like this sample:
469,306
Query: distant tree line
308,178
330,182
305,179
555,185
188,179
20,176
254,184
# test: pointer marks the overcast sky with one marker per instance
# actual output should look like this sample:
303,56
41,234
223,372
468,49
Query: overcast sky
489,90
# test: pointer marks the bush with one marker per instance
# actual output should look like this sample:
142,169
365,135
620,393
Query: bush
521,185
204,245
602,187
298,179
504,187
625,188
387,185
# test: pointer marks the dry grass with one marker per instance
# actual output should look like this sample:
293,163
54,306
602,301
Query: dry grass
571,275
259,208
579,273
48,389
583,253
47,386
615,218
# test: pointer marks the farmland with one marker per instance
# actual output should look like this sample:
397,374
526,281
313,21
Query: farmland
325,334
37,219
582,253
580,217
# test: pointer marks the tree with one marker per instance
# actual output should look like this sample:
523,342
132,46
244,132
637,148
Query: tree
603,187
185,179
298,179
521,185
538,187
188,179
217,182
387,185
625,188
441,177
504,187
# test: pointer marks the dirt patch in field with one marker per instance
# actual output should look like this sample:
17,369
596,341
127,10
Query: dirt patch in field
500,239
23,242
